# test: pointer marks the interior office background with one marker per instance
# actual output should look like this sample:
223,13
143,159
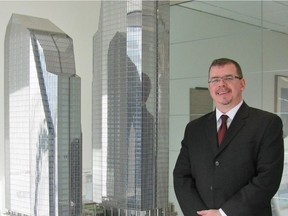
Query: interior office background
197,36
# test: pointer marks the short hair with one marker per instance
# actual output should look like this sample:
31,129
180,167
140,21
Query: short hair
224,61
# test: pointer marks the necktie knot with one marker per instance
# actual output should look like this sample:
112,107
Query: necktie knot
223,128
224,119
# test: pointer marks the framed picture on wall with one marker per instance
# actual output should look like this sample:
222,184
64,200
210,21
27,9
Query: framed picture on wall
200,102
281,100
281,109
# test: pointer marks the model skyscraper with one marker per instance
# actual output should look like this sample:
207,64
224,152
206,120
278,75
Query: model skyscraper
130,107
43,143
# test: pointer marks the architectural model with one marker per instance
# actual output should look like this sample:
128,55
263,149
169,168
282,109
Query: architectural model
43,143
130,108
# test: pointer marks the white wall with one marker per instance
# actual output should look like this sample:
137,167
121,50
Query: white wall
197,38
78,19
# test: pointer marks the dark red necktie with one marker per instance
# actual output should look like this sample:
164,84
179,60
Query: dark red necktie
223,128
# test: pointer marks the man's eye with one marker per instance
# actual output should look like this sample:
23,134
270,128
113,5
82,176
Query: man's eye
215,80
228,78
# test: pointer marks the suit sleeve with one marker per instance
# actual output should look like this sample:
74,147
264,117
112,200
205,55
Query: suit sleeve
184,183
269,164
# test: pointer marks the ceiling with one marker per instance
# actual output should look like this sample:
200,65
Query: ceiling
274,13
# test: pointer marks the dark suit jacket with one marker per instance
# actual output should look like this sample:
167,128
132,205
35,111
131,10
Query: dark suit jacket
242,175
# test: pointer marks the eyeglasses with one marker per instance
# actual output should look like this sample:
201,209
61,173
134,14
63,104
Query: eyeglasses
226,79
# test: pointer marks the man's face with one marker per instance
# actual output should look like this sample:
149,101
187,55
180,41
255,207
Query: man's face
225,86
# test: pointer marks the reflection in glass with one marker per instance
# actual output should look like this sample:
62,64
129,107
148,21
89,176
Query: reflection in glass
130,108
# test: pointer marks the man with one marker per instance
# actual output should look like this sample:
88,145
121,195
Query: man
240,175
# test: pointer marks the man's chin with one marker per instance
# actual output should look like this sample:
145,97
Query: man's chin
224,103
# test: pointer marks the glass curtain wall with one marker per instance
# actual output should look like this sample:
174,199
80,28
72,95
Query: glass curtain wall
255,34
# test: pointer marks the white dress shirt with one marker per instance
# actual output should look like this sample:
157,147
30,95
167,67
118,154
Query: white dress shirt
231,114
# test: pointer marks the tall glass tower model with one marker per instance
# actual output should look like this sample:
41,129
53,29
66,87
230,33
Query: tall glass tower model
131,107
42,120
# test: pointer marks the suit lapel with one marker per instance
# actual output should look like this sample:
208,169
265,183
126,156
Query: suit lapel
235,127
211,132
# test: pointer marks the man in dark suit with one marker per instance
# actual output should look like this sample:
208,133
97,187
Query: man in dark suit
240,175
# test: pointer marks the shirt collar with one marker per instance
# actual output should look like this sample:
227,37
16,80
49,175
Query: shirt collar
231,113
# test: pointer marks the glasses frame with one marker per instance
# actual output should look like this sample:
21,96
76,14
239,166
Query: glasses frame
226,79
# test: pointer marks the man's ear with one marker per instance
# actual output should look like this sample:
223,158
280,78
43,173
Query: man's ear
243,83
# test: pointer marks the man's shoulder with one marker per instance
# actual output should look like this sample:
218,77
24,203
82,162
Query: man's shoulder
203,118
262,114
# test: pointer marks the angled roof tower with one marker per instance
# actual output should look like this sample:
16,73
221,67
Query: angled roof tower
42,120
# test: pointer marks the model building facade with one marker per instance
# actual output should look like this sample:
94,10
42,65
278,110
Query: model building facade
130,107
42,120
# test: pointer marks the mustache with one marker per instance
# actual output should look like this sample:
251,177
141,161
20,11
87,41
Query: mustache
222,89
